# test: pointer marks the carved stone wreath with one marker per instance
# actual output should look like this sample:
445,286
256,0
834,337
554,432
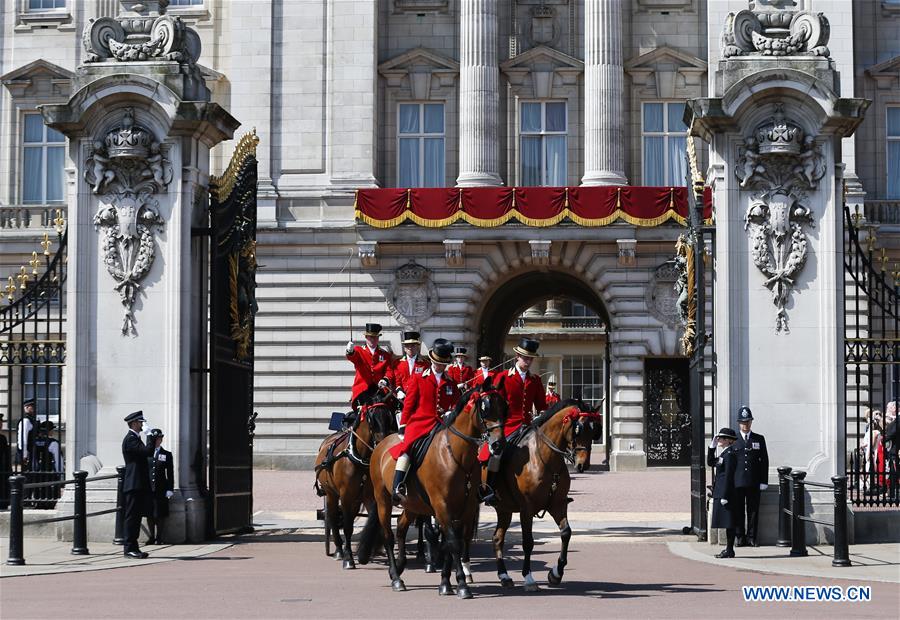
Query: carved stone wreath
413,297
779,163
661,296
126,169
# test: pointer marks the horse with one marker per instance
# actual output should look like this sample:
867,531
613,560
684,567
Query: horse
533,477
342,469
445,485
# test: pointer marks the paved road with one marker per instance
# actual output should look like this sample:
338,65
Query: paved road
282,574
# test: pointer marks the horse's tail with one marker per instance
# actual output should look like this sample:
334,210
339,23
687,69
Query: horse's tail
370,538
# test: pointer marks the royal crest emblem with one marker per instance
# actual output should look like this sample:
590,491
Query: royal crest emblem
413,297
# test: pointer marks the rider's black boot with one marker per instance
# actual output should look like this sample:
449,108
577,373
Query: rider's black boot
399,487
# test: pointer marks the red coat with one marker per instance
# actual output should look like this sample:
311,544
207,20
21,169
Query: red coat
399,375
551,399
461,374
370,369
479,378
420,409
522,399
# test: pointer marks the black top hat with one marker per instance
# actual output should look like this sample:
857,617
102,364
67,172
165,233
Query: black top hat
527,347
27,402
373,329
727,433
461,351
441,351
155,432
744,414
410,338
137,416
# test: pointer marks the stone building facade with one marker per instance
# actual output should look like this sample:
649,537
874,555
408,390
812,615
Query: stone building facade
349,94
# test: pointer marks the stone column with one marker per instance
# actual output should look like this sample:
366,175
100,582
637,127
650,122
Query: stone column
140,134
604,77
479,95
552,311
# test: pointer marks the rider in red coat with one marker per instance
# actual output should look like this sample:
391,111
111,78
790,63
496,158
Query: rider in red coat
483,372
430,395
409,365
461,372
372,363
525,393
551,397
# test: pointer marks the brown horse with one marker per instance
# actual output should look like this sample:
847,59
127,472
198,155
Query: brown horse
533,477
343,478
445,485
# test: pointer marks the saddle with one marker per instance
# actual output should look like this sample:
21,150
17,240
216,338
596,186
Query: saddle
419,448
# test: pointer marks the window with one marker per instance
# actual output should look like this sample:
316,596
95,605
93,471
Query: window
542,129
43,383
46,5
665,141
421,145
583,377
43,161
893,152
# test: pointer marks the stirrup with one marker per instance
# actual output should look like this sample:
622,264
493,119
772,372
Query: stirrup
399,494
487,495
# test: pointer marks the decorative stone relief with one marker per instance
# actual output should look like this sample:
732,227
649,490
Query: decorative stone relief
453,252
142,31
779,163
775,33
540,251
413,297
368,253
627,252
126,169
662,298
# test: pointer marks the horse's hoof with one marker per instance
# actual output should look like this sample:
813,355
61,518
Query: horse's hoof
464,592
349,564
552,579
429,568
338,555
531,587
445,589
507,583
397,585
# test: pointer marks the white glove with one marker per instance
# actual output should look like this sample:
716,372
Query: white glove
712,444
723,501
169,495
383,383
401,394
350,347
460,386
763,487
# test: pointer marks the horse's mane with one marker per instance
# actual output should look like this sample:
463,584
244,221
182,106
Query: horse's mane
460,405
553,410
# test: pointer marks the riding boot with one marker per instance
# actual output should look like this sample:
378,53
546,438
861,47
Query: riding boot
399,486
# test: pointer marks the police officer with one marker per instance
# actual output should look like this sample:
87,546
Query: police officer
46,455
25,434
751,477
137,482
5,468
162,485
725,511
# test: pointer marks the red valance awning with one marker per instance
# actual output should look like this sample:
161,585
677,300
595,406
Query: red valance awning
532,206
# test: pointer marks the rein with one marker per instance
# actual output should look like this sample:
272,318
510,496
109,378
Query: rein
475,441
575,417
351,446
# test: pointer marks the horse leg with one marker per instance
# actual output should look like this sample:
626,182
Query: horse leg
445,589
560,515
332,518
455,538
527,547
503,520
384,515
420,543
403,522
432,545
349,515
468,536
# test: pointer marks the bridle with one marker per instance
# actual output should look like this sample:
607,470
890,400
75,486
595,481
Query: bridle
351,445
576,417
482,405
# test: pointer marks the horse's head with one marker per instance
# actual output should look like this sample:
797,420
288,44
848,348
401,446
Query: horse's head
378,420
585,427
492,410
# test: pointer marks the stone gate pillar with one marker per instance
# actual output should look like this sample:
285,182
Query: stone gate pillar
140,127
774,127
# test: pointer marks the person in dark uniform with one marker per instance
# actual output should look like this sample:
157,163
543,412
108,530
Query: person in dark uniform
25,434
137,482
724,513
162,485
751,478
5,468
46,458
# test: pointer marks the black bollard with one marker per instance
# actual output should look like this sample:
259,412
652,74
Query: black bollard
15,557
79,525
798,508
784,505
841,547
120,506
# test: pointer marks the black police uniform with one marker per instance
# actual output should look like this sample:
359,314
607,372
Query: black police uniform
162,479
723,488
752,471
5,472
136,488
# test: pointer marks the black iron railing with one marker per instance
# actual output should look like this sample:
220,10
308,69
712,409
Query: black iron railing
17,490
792,517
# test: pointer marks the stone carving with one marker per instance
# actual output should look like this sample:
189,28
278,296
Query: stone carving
126,169
686,300
661,296
780,164
775,33
413,297
141,32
